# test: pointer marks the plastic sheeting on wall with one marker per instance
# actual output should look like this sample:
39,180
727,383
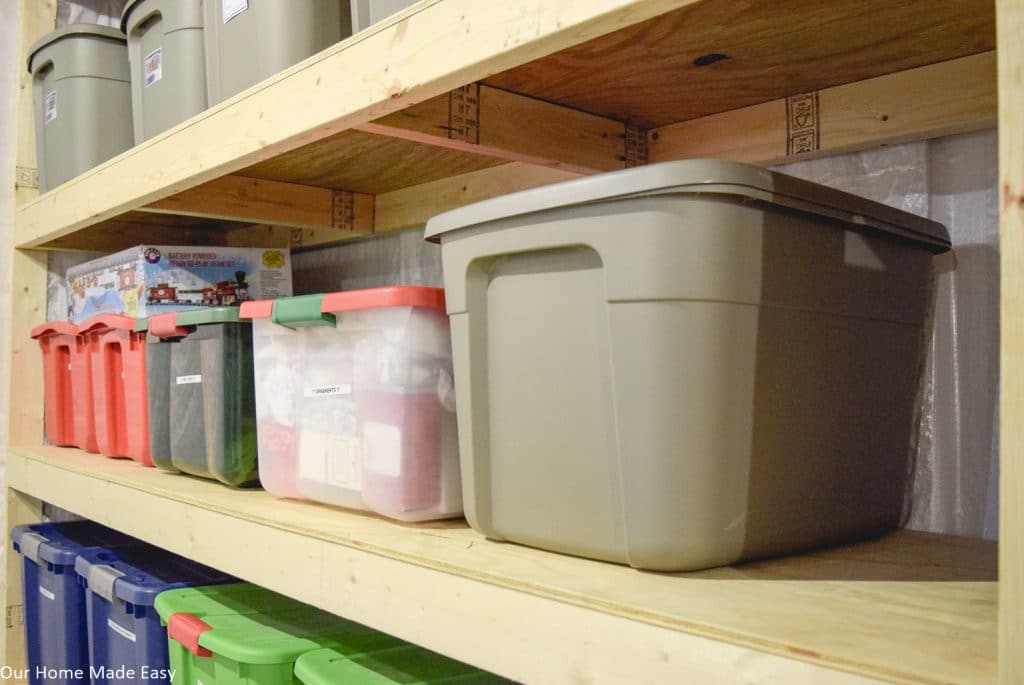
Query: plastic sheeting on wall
953,180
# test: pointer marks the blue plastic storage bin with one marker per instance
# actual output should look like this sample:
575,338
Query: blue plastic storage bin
126,641
55,619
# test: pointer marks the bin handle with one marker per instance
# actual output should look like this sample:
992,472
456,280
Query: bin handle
165,326
303,311
185,629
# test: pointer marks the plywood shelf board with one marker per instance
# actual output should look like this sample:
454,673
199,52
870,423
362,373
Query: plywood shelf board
909,608
646,73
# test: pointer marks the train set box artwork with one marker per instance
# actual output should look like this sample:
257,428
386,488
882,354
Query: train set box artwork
150,279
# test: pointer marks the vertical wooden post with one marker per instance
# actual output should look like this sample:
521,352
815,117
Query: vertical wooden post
1010,36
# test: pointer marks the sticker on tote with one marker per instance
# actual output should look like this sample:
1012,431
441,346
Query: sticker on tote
123,632
46,593
328,390
153,67
232,8
382,449
50,107
188,380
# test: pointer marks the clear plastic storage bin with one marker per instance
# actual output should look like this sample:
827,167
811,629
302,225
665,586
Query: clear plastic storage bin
355,403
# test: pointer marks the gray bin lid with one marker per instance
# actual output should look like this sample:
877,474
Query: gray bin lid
92,30
699,176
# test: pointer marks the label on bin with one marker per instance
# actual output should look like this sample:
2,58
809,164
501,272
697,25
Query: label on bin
153,67
50,107
232,8
186,380
331,459
120,630
382,449
328,390
46,593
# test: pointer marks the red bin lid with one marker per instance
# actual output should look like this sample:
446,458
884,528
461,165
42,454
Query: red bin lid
45,330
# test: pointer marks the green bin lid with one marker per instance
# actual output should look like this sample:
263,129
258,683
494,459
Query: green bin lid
91,30
163,325
251,625
404,663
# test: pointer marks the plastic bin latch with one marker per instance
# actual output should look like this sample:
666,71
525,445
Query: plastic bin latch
29,544
301,312
101,580
185,629
165,326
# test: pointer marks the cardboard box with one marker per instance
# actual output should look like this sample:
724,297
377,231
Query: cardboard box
150,279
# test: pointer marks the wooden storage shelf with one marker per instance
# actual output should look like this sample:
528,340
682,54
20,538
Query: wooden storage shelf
375,114
367,136
909,608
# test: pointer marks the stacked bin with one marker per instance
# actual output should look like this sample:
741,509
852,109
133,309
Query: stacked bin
248,41
55,611
67,386
165,51
116,346
354,401
202,414
121,587
82,100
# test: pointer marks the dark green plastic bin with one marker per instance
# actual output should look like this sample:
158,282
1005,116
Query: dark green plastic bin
202,410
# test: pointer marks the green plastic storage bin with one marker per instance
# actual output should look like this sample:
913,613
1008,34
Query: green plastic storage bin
202,407
405,664
82,100
242,634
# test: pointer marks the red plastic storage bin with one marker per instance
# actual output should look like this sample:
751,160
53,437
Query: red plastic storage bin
118,356
67,386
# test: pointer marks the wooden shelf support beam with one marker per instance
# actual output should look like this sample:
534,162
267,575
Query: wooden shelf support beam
486,120
253,200
950,97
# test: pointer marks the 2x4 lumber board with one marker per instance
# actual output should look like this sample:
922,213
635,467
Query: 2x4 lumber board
19,509
255,200
412,206
913,607
486,120
25,374
1010,26
939,99
425,51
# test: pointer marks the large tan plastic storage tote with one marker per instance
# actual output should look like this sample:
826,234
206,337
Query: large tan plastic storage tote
165,48
686,365
82,100
250,40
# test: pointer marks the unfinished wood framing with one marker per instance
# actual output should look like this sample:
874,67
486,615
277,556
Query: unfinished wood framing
1010,15
512,127
412,206
936,100
253,200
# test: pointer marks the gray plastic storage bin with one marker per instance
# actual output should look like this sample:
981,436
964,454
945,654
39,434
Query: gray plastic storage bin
82,100
686,365
168,73
250,40
202,406
368,12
